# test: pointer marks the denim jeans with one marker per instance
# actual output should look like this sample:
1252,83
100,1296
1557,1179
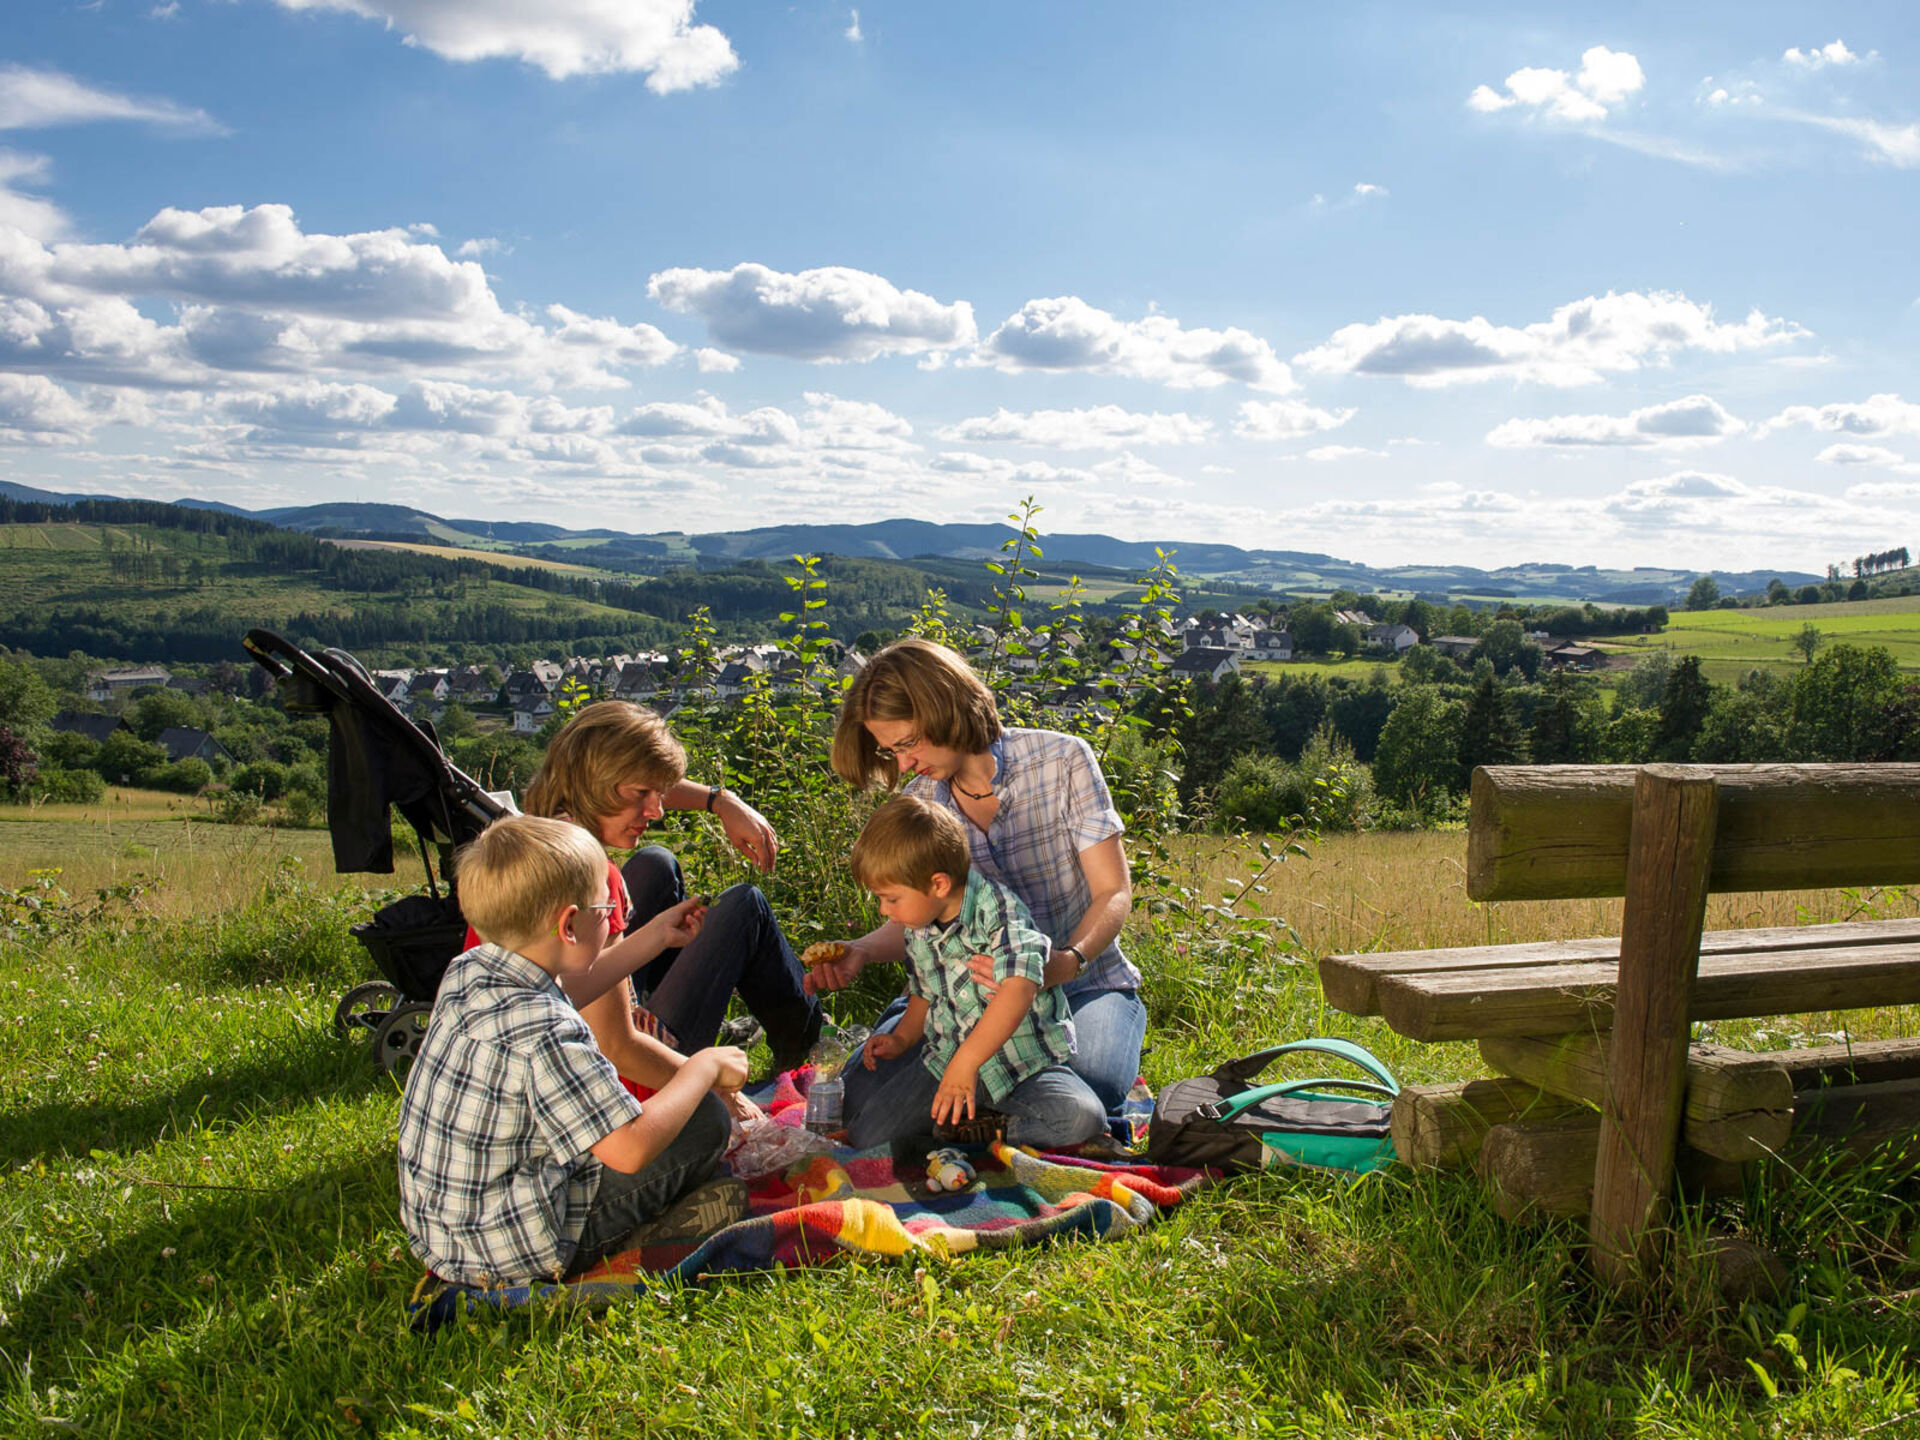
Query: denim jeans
1054,1107
625,1202
1108,1028
739,948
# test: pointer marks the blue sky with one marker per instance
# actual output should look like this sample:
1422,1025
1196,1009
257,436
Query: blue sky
1591,284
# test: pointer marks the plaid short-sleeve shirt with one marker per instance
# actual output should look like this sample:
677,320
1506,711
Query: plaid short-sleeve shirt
992,921
506,1099
1054,803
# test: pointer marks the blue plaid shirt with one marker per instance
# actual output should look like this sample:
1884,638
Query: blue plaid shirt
1054,803
507,1097
992,921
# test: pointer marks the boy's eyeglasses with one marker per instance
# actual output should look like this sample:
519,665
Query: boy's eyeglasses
605,912
895,751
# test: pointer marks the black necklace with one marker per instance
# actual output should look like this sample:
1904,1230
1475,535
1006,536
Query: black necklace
986,794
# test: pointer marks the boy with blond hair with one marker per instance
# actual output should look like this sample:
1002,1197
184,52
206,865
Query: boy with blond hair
1002,1045
522,1157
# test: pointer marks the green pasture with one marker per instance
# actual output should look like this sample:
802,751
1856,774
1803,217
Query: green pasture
1356,669
198,1232
1731,641
47,566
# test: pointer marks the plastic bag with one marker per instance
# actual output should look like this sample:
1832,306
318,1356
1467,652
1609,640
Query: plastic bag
766,1146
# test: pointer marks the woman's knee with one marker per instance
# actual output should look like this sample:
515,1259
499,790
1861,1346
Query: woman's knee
654,882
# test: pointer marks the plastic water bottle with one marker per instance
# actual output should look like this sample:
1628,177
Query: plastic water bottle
826,1100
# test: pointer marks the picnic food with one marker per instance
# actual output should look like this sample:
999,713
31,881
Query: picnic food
822,952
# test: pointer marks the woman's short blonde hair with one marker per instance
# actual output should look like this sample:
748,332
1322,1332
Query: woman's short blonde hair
907,842
521,872
604,747
924,684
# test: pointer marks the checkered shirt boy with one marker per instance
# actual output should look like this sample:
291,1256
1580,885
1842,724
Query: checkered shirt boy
992,921
1054,803
506,1099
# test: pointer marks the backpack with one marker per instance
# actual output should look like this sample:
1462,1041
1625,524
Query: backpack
1225,1121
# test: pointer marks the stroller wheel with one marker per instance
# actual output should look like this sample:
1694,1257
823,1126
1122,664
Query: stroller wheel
398,1039
364,1007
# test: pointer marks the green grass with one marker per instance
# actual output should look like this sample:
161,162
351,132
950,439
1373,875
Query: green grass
1356,669
1733,641
51,566
198,1238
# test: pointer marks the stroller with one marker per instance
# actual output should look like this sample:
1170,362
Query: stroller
378,758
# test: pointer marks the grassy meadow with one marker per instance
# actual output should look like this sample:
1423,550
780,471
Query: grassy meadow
198,1232
1731,642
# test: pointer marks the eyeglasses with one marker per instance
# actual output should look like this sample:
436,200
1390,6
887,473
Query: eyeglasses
899,748
606,912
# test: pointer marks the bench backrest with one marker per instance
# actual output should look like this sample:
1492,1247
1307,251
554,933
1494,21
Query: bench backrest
1560,832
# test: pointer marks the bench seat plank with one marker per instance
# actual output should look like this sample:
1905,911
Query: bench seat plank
1350,982
1566,999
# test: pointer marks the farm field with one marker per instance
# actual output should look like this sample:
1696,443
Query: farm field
1357,670
1732,641
451,551
198,1231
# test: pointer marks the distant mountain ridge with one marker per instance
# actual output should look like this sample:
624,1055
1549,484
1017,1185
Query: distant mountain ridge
908,540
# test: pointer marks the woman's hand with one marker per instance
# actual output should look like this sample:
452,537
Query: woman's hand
748,831
884,1046
678,924
840,973
981,968
743,1110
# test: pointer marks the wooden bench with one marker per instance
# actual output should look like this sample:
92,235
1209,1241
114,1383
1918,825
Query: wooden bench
1606,1023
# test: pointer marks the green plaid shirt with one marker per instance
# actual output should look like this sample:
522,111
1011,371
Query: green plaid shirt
992,921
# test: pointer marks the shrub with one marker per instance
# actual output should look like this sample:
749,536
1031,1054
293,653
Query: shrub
58,786
187,777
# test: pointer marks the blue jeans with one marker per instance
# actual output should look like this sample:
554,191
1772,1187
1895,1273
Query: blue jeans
1108,1028
625,1202
1052,1108
739,948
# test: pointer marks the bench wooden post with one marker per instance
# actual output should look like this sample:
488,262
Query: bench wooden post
1669,859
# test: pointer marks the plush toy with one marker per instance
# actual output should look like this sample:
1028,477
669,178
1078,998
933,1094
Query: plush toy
948,1169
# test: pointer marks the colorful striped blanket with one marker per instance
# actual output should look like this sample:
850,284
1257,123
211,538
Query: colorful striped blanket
855,1202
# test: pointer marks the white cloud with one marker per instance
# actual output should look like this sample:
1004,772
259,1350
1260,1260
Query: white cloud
715,362
1606,77
36,218
1286,419
37,99
33,408
1696,420
1896,145
1324,453
1365,191
1833,53
853,27
1877,415
482,245
1102,427
1065,333
655,38
1581,342
1845,454
832,313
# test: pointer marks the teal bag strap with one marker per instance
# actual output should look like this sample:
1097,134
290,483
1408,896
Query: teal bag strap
1259,1095
1239,1072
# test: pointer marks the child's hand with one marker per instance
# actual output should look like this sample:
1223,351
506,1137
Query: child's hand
981,968
838,973
730,1065
884,1046
743,1110
953,1101
678,924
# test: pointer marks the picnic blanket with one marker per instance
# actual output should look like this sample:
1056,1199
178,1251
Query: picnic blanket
858,1202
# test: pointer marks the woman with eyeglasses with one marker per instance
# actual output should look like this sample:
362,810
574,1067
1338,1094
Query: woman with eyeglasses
1038,817
614,770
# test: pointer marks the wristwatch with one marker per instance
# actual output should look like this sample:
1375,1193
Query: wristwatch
1079,955
713,796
